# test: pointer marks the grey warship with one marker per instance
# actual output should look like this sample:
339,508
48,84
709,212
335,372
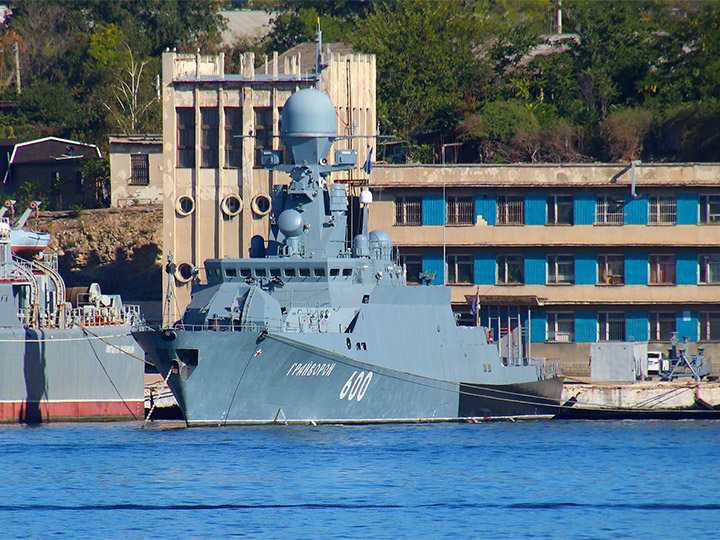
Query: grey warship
322,330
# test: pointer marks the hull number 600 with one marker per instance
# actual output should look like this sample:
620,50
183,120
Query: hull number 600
356,385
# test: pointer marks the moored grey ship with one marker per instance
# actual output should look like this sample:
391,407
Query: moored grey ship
316,332
63,353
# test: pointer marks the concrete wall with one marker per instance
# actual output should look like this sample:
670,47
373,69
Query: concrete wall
122,192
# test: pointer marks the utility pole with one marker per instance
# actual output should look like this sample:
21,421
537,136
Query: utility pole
17,68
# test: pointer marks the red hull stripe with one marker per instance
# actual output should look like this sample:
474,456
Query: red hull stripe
45,411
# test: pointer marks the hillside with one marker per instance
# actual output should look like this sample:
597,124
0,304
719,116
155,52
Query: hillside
119,248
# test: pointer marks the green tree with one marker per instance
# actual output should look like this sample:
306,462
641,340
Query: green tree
427,64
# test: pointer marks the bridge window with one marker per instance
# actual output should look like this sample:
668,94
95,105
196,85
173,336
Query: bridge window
230,272
289,272
347,272
260,272
334,272
245,272
304,272
319,272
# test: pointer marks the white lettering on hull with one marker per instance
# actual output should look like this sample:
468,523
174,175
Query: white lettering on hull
311,369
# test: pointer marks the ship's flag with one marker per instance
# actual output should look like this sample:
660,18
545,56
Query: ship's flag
475,307
368,165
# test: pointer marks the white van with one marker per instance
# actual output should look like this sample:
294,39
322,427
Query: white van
653,361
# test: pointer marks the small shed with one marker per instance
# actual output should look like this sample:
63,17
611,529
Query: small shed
52,166
135,169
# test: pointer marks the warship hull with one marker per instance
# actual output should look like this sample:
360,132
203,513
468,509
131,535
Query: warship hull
261,378
60,375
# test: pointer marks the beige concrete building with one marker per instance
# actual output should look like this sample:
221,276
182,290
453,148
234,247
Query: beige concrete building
136,170
216,194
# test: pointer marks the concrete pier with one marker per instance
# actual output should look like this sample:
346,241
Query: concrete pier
643,396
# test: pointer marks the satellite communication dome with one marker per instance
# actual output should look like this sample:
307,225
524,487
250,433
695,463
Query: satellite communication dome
308,112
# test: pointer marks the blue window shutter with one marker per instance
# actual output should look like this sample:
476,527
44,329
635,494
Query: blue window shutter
433,262
535,270
585,326
636,210
535,209
433,209
485,270
687,268
486,208
687,328
636,325
687,208
636,268
584,209
537,326
585,269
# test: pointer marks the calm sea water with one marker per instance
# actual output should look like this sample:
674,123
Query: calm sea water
549,479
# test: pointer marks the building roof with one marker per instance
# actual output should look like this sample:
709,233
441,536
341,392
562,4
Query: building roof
246,24
52,150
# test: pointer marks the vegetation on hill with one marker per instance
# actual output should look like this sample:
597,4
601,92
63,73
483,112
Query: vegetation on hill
626,79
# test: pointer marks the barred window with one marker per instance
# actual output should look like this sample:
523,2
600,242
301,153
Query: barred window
560,327
560,210
709,268
233,137
210,131
709,326
461,269
510,210
662,325
408,211
611,269
609,210
709,209
611,326
139,170
510,269
185,137
663,210
460,210
561,269
662,269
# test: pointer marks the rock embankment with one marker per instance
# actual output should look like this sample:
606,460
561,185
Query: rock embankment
119,248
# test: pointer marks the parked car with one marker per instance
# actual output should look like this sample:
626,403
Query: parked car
653,361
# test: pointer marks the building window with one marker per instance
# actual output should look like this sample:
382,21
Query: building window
663,210
413,267
560,327
461,269
609,210
460,211
209,126
510,270
560,210
185,137
510,210
709,268
611,326
662,269
662,326
709,208
263,132
561,269
139,170
611,270
408,211
709,322
233,137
